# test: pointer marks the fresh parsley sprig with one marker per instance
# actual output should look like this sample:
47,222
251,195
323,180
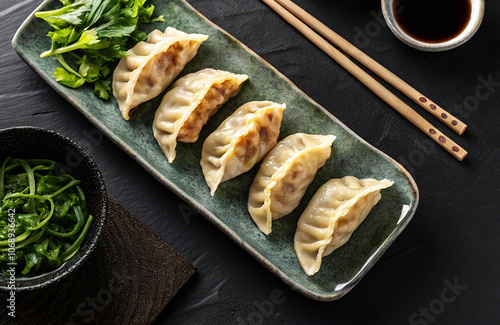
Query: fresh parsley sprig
91,34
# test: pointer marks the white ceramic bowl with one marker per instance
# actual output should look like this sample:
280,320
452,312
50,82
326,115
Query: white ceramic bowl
477,13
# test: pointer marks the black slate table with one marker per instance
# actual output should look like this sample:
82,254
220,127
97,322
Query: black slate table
443,269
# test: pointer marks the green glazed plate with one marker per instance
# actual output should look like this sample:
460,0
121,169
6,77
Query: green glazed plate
351,155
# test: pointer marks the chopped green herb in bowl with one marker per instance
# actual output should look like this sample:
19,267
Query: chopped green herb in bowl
43,215
52,208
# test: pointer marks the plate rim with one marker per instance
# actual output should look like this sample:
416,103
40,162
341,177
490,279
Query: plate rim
335,295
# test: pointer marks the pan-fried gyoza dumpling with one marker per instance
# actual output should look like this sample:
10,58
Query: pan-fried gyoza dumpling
284,176
188,105
335,211
151,66
241,141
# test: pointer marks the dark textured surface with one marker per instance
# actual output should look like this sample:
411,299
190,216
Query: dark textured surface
452,237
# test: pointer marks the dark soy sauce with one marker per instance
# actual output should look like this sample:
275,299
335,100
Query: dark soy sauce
432,21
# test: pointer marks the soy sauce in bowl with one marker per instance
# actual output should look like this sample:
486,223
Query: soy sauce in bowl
432,21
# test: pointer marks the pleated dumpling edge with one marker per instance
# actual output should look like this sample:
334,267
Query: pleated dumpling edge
333,214
189,104
241,141
284,176
151,66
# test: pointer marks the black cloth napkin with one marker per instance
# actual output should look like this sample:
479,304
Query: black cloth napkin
128,279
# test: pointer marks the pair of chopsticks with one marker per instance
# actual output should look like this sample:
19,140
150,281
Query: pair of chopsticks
300,19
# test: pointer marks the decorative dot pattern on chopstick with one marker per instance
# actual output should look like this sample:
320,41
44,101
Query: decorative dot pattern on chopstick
447,143
444,116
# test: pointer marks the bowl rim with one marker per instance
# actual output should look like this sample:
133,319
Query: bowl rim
47,278
477,14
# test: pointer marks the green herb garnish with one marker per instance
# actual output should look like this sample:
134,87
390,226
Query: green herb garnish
43,215
90,34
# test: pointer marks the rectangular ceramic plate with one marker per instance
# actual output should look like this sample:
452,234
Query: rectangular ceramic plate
227,210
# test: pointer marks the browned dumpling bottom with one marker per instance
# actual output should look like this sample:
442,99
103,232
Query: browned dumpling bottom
246,148
215,97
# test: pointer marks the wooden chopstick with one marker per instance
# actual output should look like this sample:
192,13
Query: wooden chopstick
396,103
451,121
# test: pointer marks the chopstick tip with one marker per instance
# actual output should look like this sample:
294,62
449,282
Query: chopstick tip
462,129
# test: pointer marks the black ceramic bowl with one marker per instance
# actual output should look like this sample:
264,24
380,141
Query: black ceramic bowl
31,142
